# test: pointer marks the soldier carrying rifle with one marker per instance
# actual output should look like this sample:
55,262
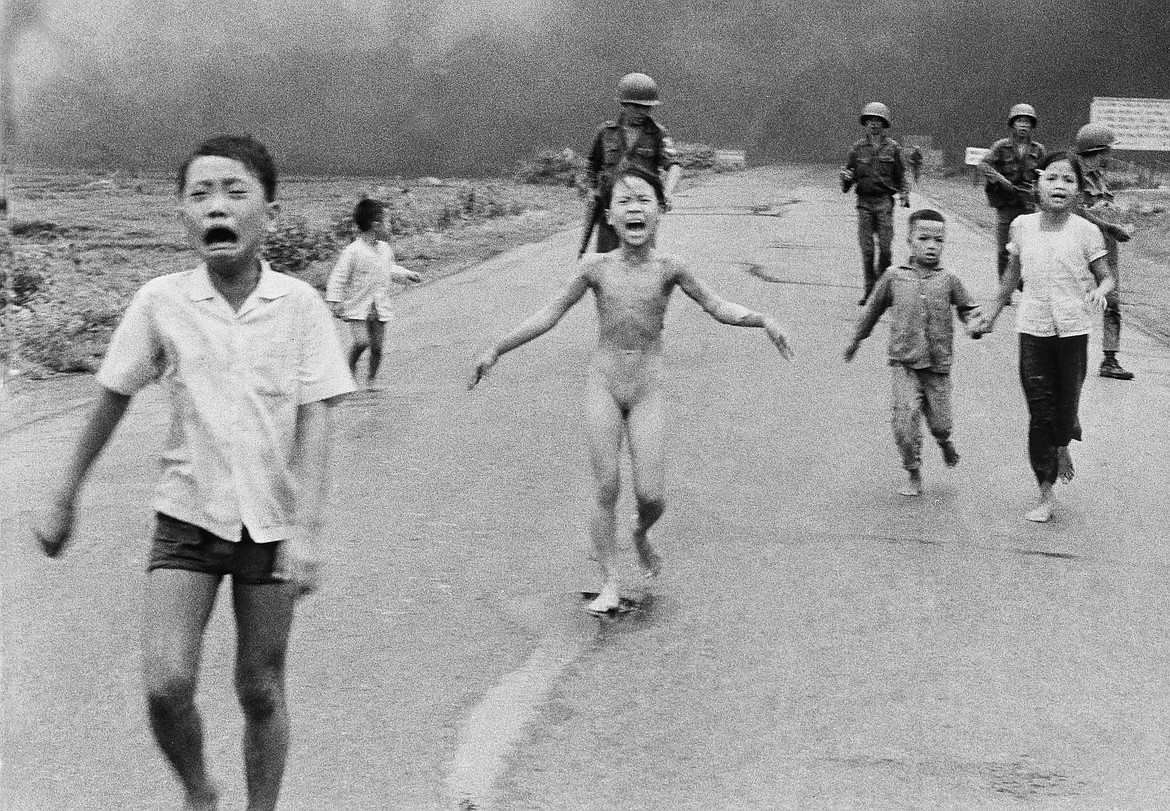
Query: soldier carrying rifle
1009,168
634,141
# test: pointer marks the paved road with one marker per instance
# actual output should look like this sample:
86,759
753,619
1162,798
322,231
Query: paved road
816,641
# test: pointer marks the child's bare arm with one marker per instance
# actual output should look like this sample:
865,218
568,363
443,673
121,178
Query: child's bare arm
1011,280
730,313
400,274
56,525
534,326
1099,267
300,557
880,299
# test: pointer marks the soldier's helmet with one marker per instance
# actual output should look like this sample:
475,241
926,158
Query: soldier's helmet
638,88
1025,110
1094,138
875,109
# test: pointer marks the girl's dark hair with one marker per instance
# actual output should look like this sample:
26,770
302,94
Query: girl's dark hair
367,212
1061,155
243,148
650,177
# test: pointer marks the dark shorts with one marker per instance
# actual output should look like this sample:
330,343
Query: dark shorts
179,545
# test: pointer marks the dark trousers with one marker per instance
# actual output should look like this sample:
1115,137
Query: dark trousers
875,217
1052,371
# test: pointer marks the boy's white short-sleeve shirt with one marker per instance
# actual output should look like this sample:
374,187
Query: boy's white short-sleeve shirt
235,380
361,281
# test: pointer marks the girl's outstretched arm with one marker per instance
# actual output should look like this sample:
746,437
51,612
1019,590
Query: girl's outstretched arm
730,313
534,326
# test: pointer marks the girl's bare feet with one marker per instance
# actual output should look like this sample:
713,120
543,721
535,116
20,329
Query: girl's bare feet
1064,465
1044,509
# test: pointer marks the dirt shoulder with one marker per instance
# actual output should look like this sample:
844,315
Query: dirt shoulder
1145,260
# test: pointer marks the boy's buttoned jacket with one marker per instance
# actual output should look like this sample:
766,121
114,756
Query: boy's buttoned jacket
921,322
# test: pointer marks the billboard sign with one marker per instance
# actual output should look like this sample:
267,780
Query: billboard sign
974,155
1142,124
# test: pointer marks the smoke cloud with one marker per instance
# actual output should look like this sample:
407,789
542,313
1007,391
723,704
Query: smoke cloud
467,87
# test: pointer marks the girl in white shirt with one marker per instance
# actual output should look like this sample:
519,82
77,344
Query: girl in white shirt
1061,260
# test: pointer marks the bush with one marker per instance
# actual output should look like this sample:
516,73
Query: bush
295,245
553,167
696,156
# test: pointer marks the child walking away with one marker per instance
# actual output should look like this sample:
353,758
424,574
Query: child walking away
921,295
632,287
1061,259
359,286
251,363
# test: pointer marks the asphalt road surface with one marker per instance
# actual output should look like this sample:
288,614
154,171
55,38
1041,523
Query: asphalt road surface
816,641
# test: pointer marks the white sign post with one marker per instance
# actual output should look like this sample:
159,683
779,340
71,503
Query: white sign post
974,155
1139,124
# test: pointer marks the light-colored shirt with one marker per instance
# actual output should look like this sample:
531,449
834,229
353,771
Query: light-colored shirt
1054,266
235,380
361,280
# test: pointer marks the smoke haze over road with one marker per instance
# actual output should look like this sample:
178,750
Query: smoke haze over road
470,86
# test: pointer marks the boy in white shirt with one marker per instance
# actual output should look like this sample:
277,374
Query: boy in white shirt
358,289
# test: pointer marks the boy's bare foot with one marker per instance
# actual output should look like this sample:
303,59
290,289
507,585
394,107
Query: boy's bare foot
373,386
608,600
913,485
648,559
950,455
1064,465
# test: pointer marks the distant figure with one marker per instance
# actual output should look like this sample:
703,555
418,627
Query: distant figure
1093,145
1009,170
634,141
874,167
914,158
251,363
921,295
360,285
1061,259
623,397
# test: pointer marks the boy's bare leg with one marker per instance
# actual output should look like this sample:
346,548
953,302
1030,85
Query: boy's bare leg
913,484
604,423
263,618
361,341
644,428
377,337
1045,507
176,609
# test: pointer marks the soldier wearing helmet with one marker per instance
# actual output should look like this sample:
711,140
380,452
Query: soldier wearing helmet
1009,169
875,168
634,140
1094,143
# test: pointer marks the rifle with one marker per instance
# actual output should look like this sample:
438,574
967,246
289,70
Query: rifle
591,217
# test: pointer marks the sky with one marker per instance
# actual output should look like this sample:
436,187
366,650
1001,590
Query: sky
469,87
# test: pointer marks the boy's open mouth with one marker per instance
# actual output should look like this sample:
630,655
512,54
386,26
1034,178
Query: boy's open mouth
636,226
220,236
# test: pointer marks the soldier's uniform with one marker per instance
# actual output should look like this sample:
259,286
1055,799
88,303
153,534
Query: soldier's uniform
651,151
878,174
1014,161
